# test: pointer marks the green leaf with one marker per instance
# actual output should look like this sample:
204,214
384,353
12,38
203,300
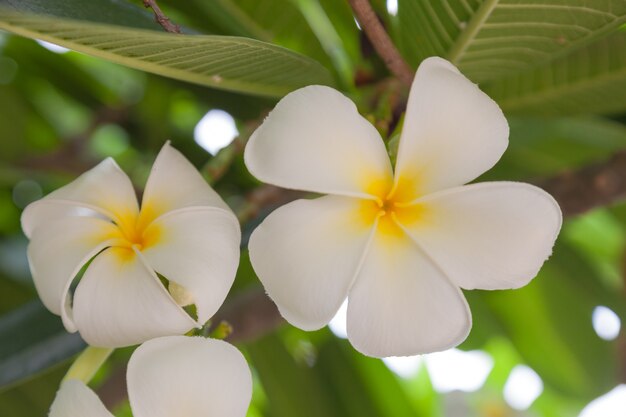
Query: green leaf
33,340
549,323
304,395
329,378
116,12
536,146
229,63
32,398
493,38
590,80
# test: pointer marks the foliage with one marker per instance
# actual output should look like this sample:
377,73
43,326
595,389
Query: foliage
557,68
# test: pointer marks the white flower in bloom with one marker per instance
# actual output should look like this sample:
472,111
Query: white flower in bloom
172,376
397,243
183,231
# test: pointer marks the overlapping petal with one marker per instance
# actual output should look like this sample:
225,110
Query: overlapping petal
120,302
402,304
174,183
188,376
172,376
105,189
56,253
198,249
307,254
75,399
315,140
452,133
489,235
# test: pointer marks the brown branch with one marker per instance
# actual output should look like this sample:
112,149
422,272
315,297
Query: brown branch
160,17
381,41
251,315
578,191
592,186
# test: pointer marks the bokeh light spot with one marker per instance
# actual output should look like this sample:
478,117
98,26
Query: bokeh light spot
605,322
522,387
215,131
53,47
611,404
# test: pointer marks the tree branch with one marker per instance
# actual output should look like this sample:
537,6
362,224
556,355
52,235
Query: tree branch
381,41
590,187
253,314
160,17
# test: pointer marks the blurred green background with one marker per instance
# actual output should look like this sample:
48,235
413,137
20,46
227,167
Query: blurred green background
556,67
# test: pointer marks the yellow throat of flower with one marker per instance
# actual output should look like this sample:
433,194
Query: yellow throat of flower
135,231
392,207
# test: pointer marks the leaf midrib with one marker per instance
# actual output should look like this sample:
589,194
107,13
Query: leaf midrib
471,30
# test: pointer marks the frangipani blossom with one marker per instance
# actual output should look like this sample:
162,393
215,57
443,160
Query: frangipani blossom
183,231
399,244
169,377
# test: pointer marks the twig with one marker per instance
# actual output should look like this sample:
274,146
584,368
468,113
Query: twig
160,17
381,41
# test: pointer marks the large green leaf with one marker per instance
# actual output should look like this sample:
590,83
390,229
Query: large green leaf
533,56
328,378
549,323
229,63
589,80
33,340
491,38
118,12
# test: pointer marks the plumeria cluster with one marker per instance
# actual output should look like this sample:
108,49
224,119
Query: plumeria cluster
398,243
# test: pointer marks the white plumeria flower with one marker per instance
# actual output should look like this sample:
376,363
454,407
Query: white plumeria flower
183,231
398,244
169,377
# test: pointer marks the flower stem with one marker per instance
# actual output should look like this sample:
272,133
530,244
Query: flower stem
87,363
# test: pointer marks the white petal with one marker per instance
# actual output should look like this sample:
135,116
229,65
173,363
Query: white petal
452,133
306,254
105,189
489,235
401,304
56,253
175,183
199,250
190,377
120,302
75,399
315,140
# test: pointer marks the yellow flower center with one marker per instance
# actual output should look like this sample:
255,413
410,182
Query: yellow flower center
135,232
392,207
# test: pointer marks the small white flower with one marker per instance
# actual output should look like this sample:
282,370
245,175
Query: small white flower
171,376
397,243
183,231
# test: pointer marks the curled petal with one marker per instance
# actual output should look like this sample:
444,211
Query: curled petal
307,253
489,235
174,183
452,133
75,399
198,249
401,304
56,253
315,140
120,302
188,376
105,190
